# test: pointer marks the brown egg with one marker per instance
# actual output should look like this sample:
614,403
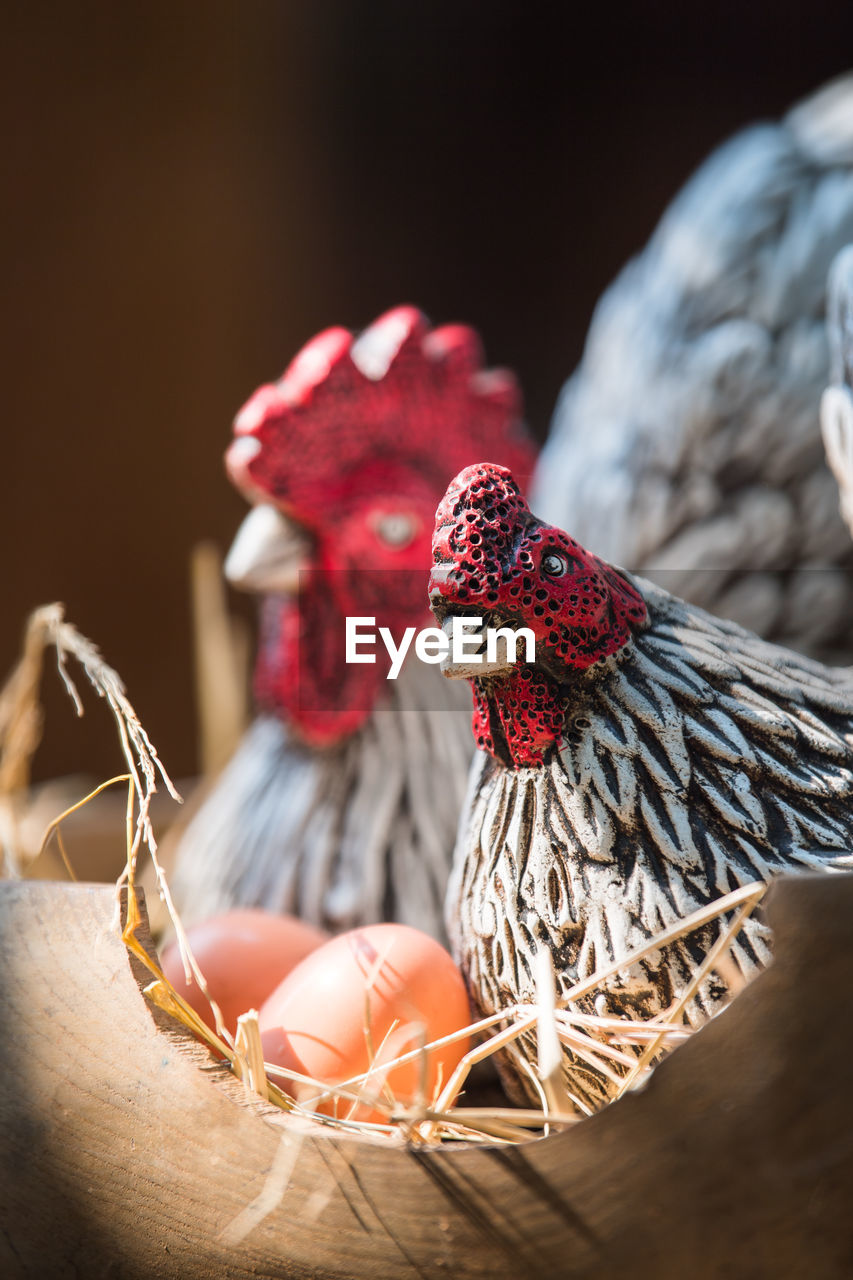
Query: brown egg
243,955
335,1010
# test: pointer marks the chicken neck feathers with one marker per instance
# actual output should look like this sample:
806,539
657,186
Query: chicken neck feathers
702,758
361,831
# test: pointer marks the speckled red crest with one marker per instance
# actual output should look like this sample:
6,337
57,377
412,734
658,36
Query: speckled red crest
493,557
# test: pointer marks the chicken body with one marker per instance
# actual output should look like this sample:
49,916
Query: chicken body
362,830
342,801
652,759
687,446
686,443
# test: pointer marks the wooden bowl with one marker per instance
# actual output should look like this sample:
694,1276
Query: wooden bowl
120,1156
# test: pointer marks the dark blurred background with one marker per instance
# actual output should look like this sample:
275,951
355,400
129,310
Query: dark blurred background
194,187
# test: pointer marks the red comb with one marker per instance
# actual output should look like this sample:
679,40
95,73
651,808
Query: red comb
399,390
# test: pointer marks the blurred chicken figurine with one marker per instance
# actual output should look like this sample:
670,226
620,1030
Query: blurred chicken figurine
687,446
650,759
341,803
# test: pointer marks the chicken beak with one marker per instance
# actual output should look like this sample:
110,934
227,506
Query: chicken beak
477,665
268,553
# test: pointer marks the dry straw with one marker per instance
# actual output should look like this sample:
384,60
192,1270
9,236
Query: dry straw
621,1051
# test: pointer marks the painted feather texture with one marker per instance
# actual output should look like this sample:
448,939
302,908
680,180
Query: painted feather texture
702,758
357,832
686,446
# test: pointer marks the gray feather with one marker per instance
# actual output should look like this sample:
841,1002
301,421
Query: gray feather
341,837
704,758
687,446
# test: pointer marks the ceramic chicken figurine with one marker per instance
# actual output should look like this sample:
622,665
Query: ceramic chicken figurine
686,446
341,803
651,758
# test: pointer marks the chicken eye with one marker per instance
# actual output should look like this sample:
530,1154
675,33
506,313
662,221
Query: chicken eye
395,530
554,565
